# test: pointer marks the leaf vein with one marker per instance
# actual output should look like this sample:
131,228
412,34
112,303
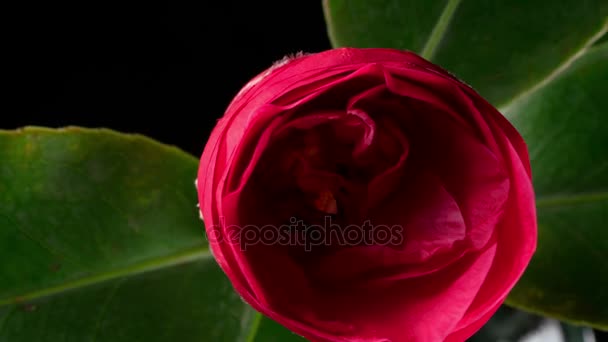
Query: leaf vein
565,200
5,319
556,72
255,326
104,308
439,29
155,264
36,240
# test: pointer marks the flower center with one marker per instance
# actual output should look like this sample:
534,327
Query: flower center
326,202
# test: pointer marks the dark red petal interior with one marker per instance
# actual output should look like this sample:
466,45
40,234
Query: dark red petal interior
399,165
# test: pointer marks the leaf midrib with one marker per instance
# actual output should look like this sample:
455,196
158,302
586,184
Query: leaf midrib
154,264
439,30
255,327
553,201
559,70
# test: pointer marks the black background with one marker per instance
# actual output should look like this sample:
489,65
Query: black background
167,70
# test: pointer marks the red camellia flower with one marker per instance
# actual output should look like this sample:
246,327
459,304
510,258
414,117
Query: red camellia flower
368,195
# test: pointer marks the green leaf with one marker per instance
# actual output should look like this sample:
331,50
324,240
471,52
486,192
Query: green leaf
100,240
501,48
565,125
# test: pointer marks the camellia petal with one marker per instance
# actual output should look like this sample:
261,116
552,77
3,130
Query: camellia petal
368,195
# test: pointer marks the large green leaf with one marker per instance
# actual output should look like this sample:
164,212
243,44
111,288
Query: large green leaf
565,124
100,240
502,48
